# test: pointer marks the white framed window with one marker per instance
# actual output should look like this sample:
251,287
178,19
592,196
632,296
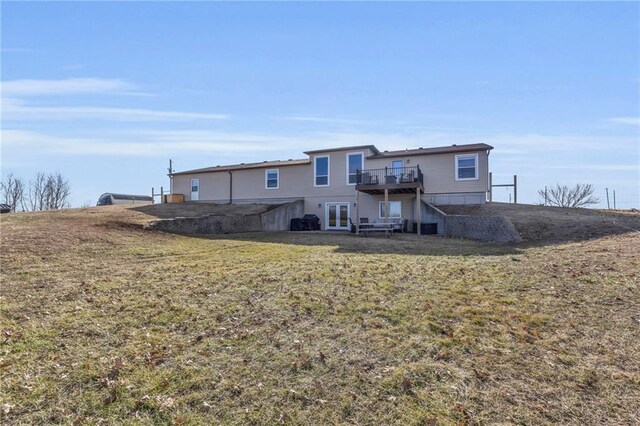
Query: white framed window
272,179
395,209
321,169
467,167
355,162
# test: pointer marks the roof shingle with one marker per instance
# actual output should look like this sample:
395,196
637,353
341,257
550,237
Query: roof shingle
242,166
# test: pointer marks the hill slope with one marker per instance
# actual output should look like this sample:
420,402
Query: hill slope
103,322
553,224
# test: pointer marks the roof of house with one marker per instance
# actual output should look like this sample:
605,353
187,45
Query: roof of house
242,166
344,148
435,150
377,154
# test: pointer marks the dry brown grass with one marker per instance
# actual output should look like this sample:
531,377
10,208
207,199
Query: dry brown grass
106,323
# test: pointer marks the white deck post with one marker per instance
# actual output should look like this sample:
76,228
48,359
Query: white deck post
386,205
418,211
357,221
386,210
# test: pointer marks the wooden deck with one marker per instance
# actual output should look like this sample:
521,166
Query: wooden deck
393,188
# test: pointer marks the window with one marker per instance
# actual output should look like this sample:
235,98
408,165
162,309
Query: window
355,162
395,209
321,171
272,179
467,167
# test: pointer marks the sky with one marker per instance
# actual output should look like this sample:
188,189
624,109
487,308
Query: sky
107,93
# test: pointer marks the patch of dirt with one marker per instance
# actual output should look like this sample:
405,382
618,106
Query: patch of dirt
540,224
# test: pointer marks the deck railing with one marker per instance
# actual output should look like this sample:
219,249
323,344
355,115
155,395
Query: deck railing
389,176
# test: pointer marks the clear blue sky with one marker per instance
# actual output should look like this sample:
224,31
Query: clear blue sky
106,93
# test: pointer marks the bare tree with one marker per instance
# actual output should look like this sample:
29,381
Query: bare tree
47,192
12,189
564,196
57,191
36,193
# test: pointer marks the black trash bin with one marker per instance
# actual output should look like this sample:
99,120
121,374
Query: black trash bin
296,224
311,222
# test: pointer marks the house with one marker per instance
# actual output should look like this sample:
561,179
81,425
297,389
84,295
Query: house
352,182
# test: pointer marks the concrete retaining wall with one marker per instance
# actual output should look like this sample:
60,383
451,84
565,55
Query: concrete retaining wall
484,228
279,218
454,199
209,224
276,219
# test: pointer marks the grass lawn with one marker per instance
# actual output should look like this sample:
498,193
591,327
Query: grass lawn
106,323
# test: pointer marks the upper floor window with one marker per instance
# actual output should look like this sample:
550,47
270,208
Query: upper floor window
467,167
272,179
355,162
321,171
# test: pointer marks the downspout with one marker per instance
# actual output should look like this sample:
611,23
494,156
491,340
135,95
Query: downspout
230,187
489,183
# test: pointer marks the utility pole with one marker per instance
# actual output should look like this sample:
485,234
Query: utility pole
614,199
608,205
170,169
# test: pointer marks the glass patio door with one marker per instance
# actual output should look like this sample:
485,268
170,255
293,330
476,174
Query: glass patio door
337,215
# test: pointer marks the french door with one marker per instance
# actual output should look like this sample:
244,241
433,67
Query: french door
337,216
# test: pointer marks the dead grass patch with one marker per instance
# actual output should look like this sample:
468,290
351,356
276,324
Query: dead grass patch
104,324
